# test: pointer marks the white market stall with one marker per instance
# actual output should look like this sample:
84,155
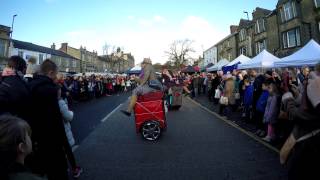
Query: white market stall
234,64
309,55
218,66
262,60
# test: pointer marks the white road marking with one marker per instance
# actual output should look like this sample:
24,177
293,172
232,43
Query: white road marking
107,117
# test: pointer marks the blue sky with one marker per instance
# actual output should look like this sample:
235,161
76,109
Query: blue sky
143,27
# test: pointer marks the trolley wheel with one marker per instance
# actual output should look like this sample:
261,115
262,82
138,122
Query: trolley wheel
151,130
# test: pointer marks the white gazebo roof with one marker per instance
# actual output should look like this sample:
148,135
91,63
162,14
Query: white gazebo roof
219,65
309,55
263,60
240,59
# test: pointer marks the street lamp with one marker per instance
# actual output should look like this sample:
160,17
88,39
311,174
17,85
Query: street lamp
246,12
14,16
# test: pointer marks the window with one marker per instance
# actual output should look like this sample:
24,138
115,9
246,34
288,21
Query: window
59,61
317,3
228,43
2,48
229,56
243,34
20,53
74,64
67,62
260,26
291,38
288,11
260,46
243,50
40,58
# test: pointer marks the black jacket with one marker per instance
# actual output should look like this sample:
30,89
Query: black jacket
14,97
48,132
47,124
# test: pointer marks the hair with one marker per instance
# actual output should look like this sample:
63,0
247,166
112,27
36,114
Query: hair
13,131
17,63
48,66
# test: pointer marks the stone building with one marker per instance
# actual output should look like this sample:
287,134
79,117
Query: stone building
298,22
118,62
89,61
227,47
282,31
4,45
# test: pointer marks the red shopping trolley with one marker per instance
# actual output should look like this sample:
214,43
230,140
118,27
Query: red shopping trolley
150,116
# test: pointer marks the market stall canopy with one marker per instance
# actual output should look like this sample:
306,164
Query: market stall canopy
218,66
135,70
190,69
204,69
234,64
309,55
262,60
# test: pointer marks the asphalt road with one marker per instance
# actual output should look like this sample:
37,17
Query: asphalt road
197,145
88,115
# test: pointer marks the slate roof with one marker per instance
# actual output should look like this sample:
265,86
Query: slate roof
42,49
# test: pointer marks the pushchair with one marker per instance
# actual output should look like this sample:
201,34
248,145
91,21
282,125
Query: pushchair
150,119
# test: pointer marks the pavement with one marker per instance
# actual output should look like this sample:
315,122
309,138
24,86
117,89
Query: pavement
197,145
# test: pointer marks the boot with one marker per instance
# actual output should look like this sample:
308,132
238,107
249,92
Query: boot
132,103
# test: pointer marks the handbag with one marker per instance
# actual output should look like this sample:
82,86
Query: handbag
223,100
217,94
237,96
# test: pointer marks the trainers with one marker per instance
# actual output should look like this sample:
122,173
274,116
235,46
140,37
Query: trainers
77,172
267,139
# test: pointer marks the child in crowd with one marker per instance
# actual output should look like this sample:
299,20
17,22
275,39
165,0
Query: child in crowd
15,146
272,111
247,100
67,117
260,109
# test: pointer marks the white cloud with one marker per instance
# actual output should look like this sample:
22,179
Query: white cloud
159,19
151,41
131,17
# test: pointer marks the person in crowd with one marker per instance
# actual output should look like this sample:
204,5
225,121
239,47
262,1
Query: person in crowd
146,79
261,107
67,116
15,146
257,91
91,86
300,152
210,89
247,100
272,111
14,92
123,84
228,92
32,68
75,88
216,80
128,85
49,136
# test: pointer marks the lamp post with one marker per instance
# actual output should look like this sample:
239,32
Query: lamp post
246,12
13,17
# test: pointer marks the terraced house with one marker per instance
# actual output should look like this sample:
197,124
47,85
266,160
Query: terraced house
26,50
281,31
89,61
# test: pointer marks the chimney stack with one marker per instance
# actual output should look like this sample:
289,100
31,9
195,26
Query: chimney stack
233,29
64,47
53,46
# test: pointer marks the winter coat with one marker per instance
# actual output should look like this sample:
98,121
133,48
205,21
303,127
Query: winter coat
272,109
67,118
15,97
20,172
262,101
47,126
248,96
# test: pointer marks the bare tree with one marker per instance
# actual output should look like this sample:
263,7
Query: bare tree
179,52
